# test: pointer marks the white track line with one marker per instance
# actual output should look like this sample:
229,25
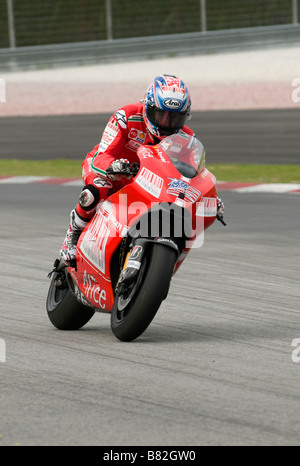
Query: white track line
278,188
269,188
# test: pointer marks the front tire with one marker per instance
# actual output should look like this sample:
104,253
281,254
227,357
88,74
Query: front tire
64,310
130,317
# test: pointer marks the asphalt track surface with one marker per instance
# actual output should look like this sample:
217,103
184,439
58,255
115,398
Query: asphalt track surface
214,367
256,136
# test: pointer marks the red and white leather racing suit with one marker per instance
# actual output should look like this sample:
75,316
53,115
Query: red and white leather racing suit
125,132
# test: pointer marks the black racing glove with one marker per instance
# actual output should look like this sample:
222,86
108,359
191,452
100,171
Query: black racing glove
220,210
119,169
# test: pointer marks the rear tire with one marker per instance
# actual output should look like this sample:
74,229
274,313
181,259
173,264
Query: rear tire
64,310
129,322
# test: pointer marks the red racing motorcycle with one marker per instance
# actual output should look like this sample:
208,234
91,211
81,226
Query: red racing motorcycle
137,240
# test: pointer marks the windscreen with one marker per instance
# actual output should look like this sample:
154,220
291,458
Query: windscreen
186,153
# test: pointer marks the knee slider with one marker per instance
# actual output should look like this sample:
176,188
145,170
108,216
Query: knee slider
89,197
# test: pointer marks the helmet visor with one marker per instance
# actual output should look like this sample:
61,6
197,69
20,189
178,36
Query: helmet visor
167,122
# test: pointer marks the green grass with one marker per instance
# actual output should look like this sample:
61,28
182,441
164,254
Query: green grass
256,173
62,168
223,172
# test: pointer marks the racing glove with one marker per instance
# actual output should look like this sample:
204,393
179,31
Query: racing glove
220,207
220,210
119,169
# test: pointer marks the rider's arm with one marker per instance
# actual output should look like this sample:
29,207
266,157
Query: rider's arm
111,145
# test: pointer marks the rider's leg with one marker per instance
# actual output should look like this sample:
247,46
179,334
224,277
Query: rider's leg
79,218
96,189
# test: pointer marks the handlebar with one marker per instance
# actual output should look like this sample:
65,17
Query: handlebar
220,218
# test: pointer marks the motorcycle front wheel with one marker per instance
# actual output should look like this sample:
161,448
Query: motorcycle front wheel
64,310
132,313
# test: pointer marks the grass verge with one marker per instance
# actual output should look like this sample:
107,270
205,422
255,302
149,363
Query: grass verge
256,173
223,172
61,167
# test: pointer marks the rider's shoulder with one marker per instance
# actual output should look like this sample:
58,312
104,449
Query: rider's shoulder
132,109
131,113
188,131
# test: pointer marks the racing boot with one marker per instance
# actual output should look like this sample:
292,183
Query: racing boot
68,250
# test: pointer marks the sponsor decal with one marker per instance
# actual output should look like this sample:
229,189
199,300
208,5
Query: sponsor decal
102,183
120,116
172,103
133,133
137,135
175,147
141,137
134,265
133,145
137,250
93,245
150,182
176,187
93,291
161,155
146,153
168,241
113,124
102,146
109,134
207,207
171,146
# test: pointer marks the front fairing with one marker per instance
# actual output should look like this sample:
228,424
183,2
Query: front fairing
157,181
163,171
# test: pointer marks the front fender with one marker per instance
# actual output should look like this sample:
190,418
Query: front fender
166,221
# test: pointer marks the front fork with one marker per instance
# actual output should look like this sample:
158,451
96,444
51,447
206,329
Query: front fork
134,259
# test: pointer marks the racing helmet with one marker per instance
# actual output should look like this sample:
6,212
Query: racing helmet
166,106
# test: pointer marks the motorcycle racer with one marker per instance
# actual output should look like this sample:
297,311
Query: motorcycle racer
106,169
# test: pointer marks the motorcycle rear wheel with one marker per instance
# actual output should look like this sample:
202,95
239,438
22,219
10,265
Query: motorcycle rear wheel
129,321
64,310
